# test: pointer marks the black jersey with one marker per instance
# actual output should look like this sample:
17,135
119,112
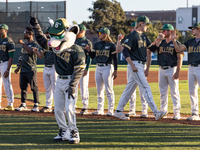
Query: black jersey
28,61
103,52
67,61
137,44
6,46
193,49
83,42
48,56
166,54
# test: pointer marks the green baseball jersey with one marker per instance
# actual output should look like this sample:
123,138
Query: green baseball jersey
166,54
137,44
67,61
28,61
193,48
7,47
83,42
103,52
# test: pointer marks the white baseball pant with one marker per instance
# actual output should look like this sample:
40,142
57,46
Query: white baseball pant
138,78
194,82
7,83
84,81
49,78
64,105
165,79
132,100
103,77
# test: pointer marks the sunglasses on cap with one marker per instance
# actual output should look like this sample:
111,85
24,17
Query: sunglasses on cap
58,36
194,28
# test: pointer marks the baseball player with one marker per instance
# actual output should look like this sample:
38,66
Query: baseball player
135,53
105,73
69,65
49,74
170,63
132,100
193,48
7,49
83,41
28,73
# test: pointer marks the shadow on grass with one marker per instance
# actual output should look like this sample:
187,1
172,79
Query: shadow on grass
30,132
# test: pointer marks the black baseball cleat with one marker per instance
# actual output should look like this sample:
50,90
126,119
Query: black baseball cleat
84,111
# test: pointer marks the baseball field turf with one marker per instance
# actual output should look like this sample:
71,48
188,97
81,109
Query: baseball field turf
36,132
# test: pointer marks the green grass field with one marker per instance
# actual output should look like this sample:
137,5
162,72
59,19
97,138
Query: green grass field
30,132
120,68
183,87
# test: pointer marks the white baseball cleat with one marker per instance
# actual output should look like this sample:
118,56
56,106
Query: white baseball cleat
74,137
176,116
109,113
98,112
193,117
121,115
35,108
21,107
144,115
130,114
160,114
62,135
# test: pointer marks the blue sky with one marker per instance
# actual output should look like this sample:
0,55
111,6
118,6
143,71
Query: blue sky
77,9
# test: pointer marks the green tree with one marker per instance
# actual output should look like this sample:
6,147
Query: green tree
108,14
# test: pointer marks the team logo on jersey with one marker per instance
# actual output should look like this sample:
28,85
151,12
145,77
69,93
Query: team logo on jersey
126,41
107,47
83,44
171,45
29,45
4,42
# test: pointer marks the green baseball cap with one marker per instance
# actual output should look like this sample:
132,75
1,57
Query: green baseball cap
167,27
143,18
196,25
82,27
4,26
59,26
132,25
105,31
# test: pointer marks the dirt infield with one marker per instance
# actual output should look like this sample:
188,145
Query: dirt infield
121,79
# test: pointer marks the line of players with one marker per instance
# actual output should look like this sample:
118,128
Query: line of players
136,49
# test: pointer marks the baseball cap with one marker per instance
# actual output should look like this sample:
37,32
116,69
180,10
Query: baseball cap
4,26
167,27
132,25
196,25
104,30
59,26
143,18
82,27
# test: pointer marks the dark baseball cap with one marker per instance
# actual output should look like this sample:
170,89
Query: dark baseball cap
82,27
104,30
4,26
59,26
196,25
143,18
132,25
167,27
